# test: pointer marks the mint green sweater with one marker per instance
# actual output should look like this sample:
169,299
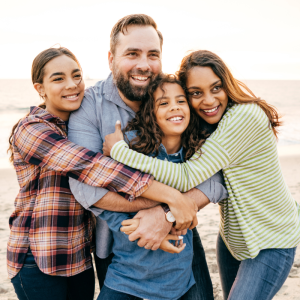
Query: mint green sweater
260,212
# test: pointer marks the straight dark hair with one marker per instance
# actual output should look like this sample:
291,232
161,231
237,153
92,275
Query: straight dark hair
37,76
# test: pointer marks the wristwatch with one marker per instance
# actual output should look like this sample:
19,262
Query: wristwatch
169,216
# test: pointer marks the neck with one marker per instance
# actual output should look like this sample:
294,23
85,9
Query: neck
134,105
172,143
64,115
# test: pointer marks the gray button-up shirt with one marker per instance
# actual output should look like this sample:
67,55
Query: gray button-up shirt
101,107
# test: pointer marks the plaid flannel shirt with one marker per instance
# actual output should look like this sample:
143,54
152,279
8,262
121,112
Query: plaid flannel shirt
47,218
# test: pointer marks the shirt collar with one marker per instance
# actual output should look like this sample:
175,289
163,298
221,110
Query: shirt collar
180,152
45,115
112,94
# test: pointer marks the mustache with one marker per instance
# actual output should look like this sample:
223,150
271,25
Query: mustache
141,73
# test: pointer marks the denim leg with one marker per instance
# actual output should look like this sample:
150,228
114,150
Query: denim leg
101,267
107,293
32,284
82,285
203,289
263,276
228,266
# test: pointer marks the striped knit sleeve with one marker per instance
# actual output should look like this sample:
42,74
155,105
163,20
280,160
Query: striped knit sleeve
239,127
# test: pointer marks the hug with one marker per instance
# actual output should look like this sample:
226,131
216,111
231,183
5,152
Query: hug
122,168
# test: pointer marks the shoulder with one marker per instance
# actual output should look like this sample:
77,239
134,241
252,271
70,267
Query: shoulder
240,113
129,135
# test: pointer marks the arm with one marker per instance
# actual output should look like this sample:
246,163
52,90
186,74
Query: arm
238,128
84,130
40,144
115,202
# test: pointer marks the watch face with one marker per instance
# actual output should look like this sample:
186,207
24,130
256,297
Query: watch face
170,217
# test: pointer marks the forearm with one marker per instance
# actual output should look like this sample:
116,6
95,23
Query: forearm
115,202
199,197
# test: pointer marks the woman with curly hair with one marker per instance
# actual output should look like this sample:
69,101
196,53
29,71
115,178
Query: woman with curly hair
260,221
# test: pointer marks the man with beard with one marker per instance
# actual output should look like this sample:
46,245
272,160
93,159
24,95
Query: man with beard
135,60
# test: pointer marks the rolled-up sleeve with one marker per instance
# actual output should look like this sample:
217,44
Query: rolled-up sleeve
214,188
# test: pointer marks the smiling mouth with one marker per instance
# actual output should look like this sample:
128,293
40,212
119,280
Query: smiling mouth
71,97
140,78
176,119
210,110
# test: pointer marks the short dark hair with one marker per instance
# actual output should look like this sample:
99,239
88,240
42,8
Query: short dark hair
122,24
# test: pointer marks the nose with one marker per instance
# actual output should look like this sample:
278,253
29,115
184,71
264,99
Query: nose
174,107
209,99
143,63
71,84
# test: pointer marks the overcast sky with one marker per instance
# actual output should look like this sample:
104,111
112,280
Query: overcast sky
258,39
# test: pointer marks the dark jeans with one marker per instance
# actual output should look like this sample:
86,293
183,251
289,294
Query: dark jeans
253,279
107,293
202,290
32,284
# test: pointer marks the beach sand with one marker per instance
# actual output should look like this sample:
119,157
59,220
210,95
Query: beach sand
208,227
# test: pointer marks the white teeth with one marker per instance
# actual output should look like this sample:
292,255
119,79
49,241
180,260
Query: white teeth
70,97
211,110
140,78
176,119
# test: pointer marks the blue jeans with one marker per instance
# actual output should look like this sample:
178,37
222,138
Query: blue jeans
32,284
202,290
253,279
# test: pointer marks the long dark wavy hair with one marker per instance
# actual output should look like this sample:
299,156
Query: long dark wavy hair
149,135
236,90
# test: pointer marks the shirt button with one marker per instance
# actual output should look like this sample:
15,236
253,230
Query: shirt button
166,159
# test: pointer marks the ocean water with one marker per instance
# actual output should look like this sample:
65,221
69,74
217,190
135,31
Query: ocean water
17,95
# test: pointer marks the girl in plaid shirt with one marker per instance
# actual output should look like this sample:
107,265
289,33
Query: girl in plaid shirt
51,233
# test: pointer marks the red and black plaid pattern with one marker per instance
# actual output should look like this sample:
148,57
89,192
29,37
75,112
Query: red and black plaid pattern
47,217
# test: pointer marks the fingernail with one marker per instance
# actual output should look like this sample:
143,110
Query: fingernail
180,237
118,122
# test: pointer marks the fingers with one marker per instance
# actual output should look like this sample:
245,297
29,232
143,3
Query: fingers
168,247
194,223
174,237
134,236
118,126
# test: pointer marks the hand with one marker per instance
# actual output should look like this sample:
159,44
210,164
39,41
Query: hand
183,208
153,228
178,232
168,247
112,138
130,225
185,211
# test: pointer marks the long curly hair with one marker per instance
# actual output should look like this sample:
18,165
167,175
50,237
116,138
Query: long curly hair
236,90
149,135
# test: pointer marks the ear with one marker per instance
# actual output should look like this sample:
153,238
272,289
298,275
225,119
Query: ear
40,89
110,60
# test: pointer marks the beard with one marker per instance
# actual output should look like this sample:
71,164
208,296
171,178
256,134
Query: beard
131,92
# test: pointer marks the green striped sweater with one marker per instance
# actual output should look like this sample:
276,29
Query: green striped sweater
260,212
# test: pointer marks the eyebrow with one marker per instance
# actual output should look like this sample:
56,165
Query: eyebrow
140,50
161,98
196,87
62,73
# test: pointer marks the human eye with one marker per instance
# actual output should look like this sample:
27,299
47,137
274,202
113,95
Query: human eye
132,54
163,103
195,94
182,100
217,88
57,79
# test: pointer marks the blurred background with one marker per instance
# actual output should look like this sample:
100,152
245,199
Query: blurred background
258,39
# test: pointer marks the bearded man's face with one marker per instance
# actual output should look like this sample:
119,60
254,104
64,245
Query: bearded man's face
137,61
